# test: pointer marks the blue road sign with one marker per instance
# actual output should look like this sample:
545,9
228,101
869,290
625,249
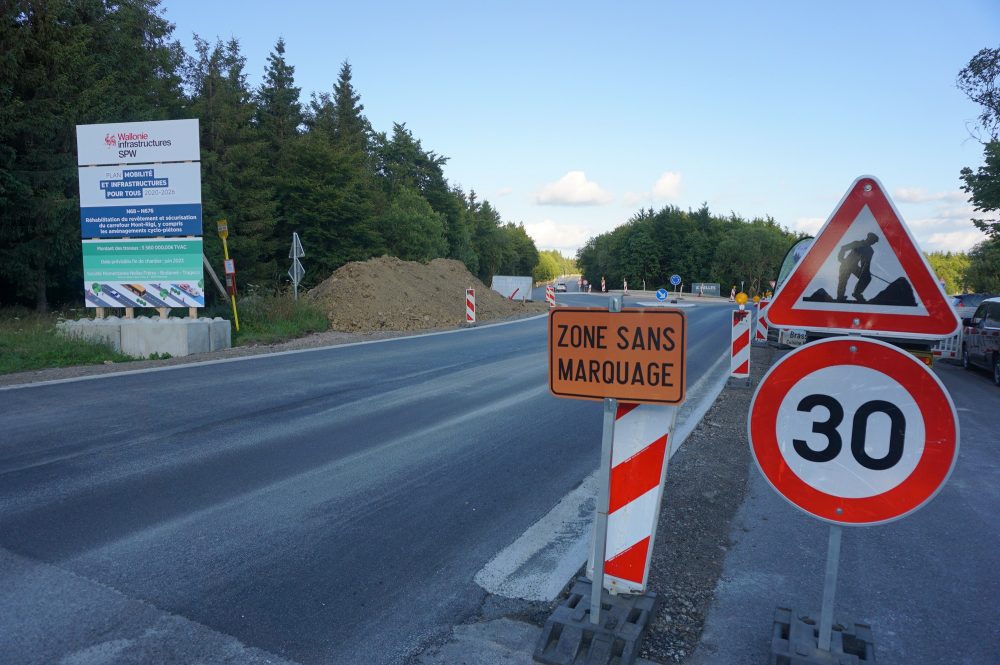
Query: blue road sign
675,279
661,295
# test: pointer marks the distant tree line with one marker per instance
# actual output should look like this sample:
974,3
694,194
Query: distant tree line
552,264
698,246
270,165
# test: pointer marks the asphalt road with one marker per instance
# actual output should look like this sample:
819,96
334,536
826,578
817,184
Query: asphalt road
329,506
927,584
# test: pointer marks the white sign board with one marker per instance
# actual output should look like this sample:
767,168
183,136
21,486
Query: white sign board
137,142
512,287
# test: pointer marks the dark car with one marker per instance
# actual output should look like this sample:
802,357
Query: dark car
981,338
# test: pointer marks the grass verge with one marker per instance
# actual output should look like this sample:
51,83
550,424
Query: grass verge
28,341
270,318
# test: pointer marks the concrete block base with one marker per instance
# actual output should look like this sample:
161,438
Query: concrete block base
144,336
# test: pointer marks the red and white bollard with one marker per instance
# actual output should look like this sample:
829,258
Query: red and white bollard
639,458
760,332
740,348
550,295
470,305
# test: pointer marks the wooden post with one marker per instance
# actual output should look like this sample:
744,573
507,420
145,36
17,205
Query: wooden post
193,312
129,312
99,313
164,312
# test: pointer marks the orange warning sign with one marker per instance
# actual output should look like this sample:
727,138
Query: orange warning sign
636,355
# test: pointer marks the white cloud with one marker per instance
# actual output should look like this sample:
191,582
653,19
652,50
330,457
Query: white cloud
810,225
951,241
668,186
567,238
505,191
573,189
921,195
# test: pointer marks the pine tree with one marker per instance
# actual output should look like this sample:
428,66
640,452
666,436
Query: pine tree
279,112
236,175
65,63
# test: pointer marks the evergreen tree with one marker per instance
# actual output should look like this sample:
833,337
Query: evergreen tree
65,63
237,180
411,229
279,112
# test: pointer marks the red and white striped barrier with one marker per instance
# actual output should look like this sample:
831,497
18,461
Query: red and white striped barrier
470,305
639,457
740,349
550,296
760,332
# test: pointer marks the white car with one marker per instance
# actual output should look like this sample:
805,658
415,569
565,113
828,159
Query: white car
561,287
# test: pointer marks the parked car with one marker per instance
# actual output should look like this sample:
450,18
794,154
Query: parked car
981,338
965,304
561,287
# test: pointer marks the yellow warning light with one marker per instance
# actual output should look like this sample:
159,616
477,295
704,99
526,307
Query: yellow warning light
741,298
756,299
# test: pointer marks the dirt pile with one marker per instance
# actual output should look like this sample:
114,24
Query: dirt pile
390,294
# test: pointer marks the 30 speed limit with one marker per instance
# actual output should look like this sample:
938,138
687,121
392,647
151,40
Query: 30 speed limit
853,431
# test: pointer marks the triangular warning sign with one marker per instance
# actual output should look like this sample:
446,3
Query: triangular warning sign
864,274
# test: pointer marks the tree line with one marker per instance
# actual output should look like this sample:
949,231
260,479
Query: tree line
697,245
270,164
980,81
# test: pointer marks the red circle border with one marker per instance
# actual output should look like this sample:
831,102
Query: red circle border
940,423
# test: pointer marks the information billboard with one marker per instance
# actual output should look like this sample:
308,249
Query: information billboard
140,201
143,273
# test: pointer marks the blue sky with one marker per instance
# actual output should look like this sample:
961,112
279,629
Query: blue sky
571,116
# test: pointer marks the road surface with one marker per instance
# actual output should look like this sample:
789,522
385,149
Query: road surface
329,506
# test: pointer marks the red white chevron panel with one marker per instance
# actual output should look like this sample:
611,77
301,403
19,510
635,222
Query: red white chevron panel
740,365
638,468
550,296
760,334
470,305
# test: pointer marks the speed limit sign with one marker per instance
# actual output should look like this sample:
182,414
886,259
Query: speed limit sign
853,431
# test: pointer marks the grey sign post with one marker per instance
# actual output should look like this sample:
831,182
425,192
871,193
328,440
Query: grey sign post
604,494
296,272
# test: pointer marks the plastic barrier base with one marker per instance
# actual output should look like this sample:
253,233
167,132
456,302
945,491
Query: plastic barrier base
795,641
569,638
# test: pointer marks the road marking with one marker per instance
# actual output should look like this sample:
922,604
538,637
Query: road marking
544,558
202,363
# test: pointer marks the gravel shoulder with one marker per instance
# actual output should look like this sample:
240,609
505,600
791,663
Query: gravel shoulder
706,483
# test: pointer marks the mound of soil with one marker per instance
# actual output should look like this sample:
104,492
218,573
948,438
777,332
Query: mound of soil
390,294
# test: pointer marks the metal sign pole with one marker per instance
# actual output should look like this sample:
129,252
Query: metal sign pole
604,494
601,516
830,587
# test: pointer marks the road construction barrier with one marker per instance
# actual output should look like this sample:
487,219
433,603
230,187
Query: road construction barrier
949,347
640,453
740,347
470,305
760,330
550,296
512,287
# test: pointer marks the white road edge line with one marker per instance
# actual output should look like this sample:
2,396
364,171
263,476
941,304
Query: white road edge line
201,363
544,558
